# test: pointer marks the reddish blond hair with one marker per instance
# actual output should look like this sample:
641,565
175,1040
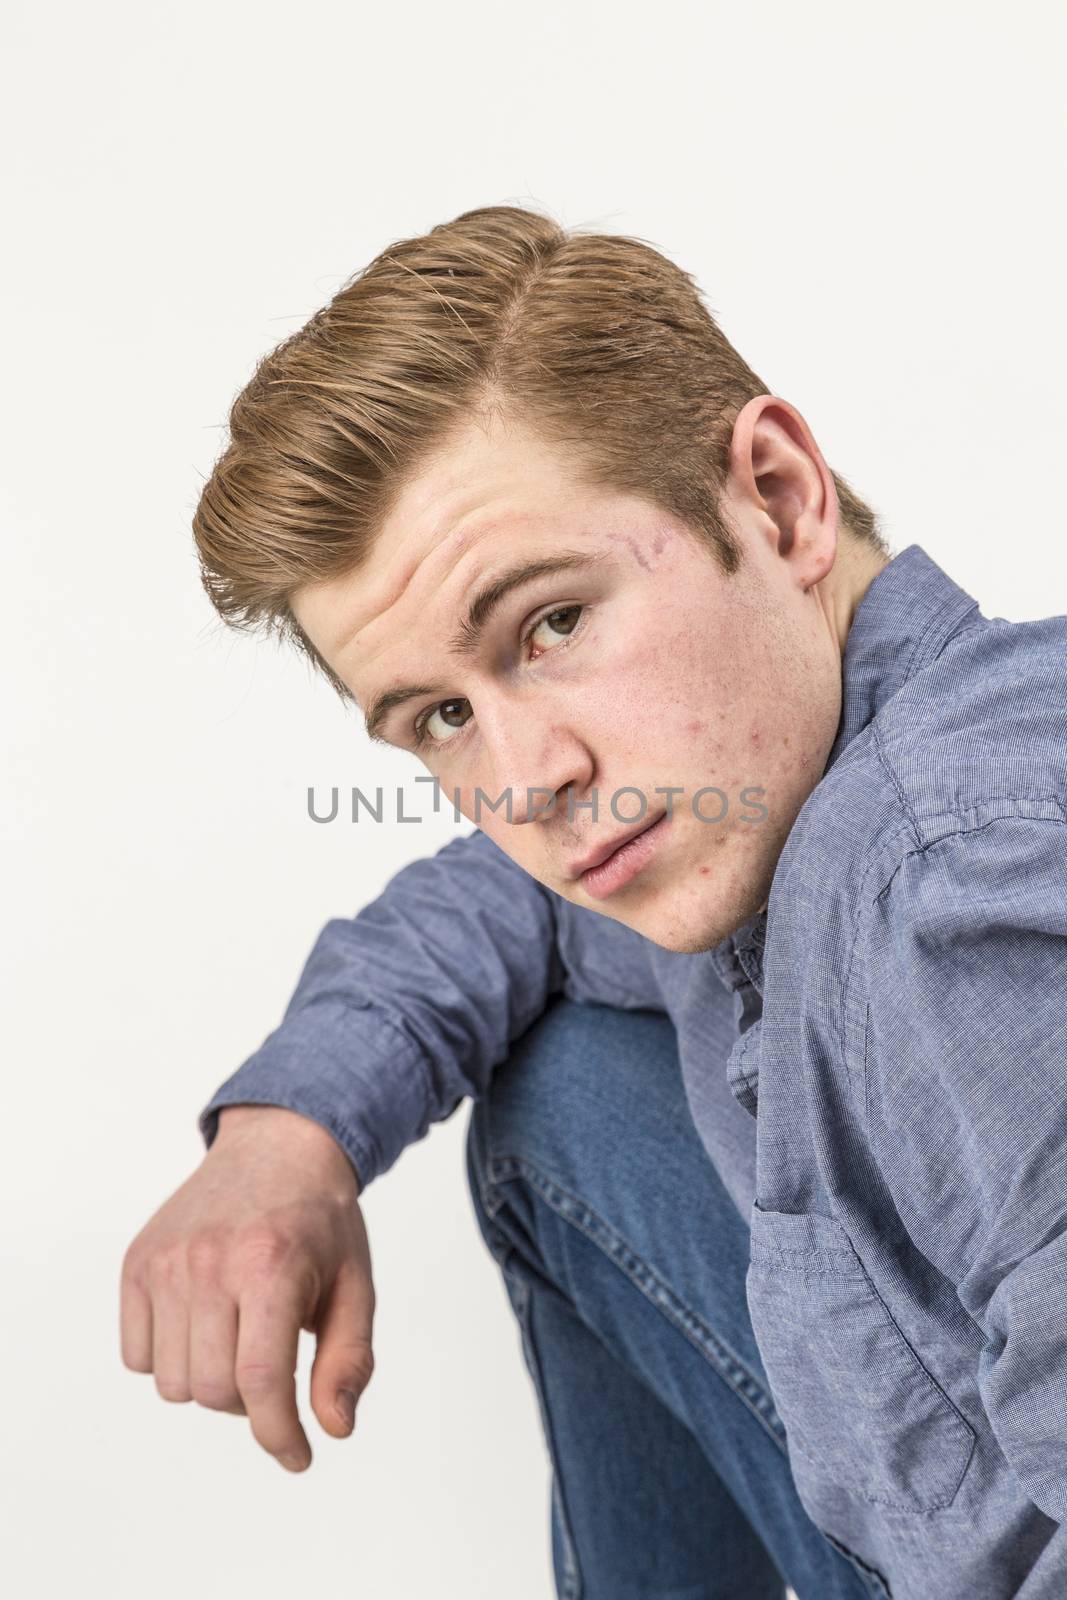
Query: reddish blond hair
597,342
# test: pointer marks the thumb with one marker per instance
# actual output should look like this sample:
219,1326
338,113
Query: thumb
344,1360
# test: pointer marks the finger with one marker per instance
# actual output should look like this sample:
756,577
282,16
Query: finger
135,1321
213,1349
344,1359
170,1330
268,1332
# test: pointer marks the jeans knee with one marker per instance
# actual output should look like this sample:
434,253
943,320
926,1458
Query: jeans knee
552,1108
522,1106
522,1112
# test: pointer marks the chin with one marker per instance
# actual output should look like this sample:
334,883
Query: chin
689,922
686,942
684,936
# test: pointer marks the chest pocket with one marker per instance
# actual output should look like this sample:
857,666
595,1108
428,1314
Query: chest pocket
858,1405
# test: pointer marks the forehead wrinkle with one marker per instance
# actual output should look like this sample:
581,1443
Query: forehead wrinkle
346,640
456,542
385,703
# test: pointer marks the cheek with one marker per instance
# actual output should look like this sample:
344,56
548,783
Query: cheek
649,705
634,671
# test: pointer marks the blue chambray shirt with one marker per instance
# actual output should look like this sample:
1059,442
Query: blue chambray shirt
877,1066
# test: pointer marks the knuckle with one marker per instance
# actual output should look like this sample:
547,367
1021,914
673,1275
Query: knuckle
207,1252
133,1270
255,1378
163,1269
265,1248
279,1267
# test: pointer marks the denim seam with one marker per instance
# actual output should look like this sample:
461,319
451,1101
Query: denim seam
572,1582
618,1250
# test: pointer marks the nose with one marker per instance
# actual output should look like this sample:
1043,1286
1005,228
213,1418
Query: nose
534,759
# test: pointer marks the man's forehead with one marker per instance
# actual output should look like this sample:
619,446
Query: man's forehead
484,488
340,614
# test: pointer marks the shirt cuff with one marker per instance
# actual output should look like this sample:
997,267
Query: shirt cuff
350,1068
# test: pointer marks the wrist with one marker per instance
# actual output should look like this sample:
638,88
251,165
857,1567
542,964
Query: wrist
246,1119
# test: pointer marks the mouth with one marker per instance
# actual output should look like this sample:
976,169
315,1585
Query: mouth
619,861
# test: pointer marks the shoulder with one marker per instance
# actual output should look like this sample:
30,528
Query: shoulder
948,808
965,900
974,747
980,732
976,737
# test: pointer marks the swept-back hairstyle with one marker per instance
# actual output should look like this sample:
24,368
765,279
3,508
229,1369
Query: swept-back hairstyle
597,342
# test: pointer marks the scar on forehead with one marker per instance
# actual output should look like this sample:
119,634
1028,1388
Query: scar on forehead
640,551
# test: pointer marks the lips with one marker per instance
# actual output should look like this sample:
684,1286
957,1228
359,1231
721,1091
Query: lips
597,857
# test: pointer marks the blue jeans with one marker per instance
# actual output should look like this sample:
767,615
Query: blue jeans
624,1259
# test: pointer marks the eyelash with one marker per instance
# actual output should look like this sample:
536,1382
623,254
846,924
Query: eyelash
421,737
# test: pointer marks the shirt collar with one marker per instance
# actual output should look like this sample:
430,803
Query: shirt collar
907,615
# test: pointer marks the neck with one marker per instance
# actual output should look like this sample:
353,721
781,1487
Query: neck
856,565
855,568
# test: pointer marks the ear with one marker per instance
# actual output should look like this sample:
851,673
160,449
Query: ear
781,488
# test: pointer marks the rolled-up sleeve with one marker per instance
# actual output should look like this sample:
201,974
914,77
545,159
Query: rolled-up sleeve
967,1105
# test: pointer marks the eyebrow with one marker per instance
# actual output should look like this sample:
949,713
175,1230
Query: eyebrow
465,640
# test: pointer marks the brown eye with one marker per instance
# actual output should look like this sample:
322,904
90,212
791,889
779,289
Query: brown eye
559,623
453,715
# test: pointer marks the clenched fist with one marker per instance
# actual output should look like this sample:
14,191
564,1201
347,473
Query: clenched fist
265,1238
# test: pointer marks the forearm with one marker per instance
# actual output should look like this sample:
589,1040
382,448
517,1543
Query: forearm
405,1009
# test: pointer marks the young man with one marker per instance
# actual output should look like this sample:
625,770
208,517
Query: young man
732,762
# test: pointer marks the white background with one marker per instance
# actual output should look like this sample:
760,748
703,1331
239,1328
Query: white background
872,201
